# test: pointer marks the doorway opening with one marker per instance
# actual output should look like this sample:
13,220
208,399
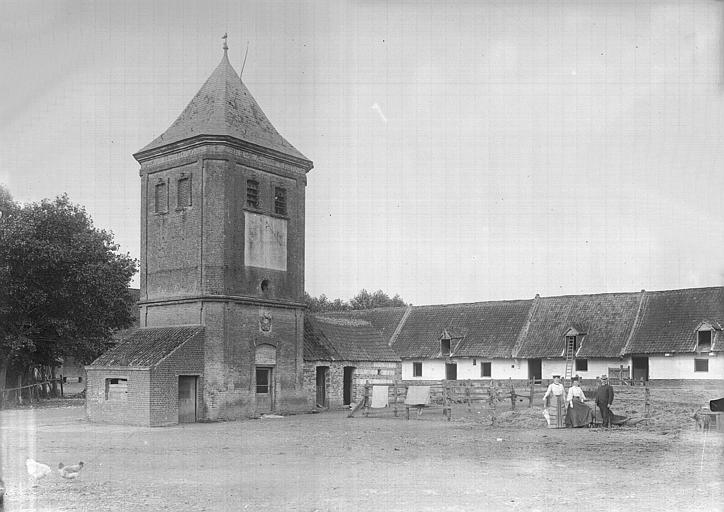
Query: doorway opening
187,398
347,385
322,373
535,370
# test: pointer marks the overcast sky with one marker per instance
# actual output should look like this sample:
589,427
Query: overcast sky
463,150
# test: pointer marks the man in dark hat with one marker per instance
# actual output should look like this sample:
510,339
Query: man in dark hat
604,399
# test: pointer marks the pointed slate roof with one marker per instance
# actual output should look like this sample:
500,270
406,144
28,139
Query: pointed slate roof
148,346
669,320
224,106
606,320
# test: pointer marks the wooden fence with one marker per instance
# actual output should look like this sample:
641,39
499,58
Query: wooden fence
32,392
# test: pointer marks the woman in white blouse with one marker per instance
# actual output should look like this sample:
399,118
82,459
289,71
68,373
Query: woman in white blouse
578,414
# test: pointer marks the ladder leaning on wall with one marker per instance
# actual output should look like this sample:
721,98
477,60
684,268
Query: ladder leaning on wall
570,356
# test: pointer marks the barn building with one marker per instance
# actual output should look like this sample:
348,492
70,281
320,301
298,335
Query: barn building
222,256
341,355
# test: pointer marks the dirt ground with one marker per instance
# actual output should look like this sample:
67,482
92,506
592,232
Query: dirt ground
328,462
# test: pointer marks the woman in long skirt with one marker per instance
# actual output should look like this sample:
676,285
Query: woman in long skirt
578,414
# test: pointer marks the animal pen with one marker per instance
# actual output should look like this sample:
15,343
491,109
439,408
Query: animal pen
473,396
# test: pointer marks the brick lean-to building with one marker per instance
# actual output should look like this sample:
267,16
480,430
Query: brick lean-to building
222,271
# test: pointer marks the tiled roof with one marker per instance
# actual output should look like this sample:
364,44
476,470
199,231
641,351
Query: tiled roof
669,320
384,320
344,339
147,346
606,319
483,329
224,106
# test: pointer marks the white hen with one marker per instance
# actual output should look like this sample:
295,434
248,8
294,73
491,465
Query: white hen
36,469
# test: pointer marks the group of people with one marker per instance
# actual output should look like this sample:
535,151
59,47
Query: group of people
570,410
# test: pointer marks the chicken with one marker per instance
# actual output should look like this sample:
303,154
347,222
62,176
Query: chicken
36,469
2,492
70,472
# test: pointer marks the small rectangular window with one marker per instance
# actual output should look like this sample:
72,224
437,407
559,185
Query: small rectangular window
417,369
160,203
701,365
703,341
486,369
280,201
445,347
581,365
252,194
117,389
183,199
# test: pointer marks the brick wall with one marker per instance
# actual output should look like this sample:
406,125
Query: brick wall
186,360
365,371
135,410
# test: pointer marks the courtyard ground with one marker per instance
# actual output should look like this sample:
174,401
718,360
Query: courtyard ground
328,462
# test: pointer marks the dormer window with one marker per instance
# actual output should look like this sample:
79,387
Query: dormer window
703,341
445,347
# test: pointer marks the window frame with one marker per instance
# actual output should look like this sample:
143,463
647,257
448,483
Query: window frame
160,207
577,364
701,360
184,178
486,365
115,395
417,368
281,201
252,186
698,340
443,342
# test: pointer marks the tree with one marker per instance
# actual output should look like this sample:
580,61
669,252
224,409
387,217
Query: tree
63,285
378,299
363,300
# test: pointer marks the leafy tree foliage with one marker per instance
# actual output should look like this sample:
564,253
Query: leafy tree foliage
363,300
63,284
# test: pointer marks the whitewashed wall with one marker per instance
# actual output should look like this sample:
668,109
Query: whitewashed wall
435,369
681,366
596,367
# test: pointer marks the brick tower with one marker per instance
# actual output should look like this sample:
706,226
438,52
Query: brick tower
222,246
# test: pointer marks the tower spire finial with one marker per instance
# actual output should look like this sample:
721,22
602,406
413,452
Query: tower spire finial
225,46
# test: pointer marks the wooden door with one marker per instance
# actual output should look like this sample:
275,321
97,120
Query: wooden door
347,384
264,389
322,386
640,368
535,372
187,398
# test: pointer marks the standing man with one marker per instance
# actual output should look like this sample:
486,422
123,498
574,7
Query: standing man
604,398
553,403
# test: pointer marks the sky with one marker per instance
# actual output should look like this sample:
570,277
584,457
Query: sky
463,150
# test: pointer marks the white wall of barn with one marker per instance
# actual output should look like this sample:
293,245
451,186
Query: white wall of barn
434,369
681,366
596,367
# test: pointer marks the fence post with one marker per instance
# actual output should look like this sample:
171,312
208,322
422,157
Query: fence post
647,401
366,399
468,396
61,387
532,393
512,394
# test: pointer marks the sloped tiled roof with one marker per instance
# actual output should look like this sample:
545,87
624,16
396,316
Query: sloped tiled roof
483,329
224,106
147,346
344,339
669,320
606,319
384,320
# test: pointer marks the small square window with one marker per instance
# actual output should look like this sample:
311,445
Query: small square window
160,200
486,369
581,365
117,389
417,369
252,194
183,199
280,201
701,365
